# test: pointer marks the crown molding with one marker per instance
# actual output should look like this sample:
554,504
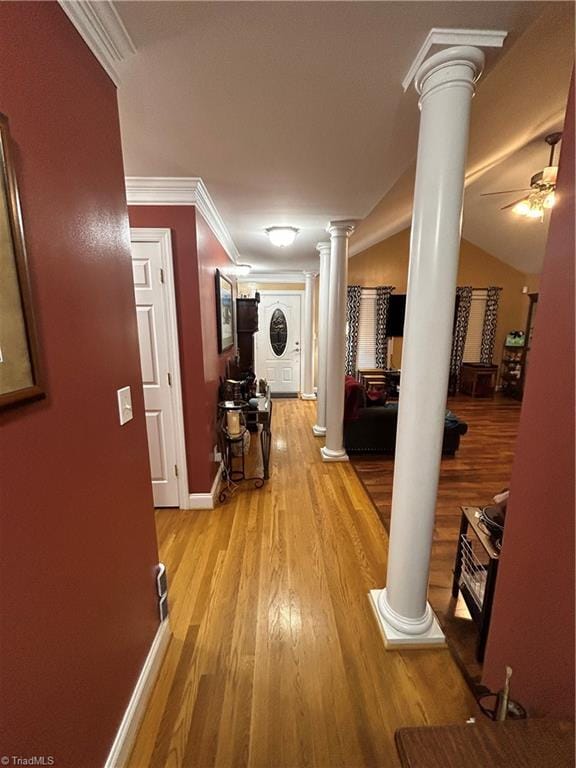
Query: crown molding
167,190
103,31
272,277
481,38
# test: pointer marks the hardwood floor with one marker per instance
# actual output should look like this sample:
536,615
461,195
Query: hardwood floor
276,660
481,467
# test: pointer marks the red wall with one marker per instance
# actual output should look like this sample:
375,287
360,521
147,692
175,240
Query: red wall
533,618
196,255
78,546
211,256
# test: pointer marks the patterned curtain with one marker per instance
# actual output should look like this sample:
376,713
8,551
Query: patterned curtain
352,321
464,296
382,303
490,322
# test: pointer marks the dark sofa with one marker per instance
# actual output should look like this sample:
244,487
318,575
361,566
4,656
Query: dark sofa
373,430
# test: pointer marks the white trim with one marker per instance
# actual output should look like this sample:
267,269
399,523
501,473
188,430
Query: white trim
394,639
103,31
290,292
206,500
272,277
170,190
164,238
484,38
126,733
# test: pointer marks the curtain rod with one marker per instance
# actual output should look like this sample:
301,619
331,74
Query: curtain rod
474,288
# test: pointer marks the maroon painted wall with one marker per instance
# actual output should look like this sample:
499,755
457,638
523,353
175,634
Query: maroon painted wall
533,618
196,255
78,544
211,256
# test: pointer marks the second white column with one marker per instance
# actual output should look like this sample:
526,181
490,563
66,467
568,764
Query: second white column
334,449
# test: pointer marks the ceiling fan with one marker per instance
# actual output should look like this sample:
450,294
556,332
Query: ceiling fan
541,193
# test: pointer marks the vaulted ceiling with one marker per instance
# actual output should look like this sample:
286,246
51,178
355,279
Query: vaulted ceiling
293,113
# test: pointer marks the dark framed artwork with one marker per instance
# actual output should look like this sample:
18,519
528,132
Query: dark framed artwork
20,377
224,312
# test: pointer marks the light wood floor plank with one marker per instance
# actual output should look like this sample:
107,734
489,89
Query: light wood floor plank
277,660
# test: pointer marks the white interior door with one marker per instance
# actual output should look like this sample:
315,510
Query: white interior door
278,342
153,323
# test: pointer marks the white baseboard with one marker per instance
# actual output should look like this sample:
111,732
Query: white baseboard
206,500
126,734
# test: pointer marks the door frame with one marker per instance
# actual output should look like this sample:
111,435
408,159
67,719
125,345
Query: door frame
290,292
163,237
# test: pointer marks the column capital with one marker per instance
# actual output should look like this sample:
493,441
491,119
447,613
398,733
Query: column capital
341,228
324,247
479,38
460,65
310,274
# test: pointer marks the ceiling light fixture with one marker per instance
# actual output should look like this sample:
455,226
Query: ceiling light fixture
542,185
282,237
243,269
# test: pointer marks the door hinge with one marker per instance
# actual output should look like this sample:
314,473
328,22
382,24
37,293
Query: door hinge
176,470
169,379
161,275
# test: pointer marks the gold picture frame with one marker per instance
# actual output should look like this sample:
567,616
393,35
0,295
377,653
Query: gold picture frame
20,377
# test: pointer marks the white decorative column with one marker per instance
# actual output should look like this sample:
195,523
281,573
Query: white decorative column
308,362
334,450
323,248
445,83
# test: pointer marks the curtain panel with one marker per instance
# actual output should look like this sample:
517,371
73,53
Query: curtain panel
382,304
354,297
490,323
464,296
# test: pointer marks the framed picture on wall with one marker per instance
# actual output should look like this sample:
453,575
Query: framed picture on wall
224,312
20,378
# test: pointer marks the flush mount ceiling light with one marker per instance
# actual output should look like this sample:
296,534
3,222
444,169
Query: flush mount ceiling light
243,269
282,237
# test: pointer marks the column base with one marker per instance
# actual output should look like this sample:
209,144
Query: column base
319,431
394,639
328,455
307,397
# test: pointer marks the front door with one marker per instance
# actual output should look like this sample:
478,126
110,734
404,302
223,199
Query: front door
152,315
278,342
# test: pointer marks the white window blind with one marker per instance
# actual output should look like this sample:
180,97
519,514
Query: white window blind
366,357
473,345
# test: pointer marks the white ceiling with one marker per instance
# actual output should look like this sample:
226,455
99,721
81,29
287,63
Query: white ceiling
292,113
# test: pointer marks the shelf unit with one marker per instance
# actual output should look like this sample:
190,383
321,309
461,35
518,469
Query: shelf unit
514,363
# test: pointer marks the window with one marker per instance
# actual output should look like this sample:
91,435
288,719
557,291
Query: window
278,332
366,357
473,346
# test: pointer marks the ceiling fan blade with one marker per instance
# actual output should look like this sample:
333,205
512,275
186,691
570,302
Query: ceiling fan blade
511,205
505,192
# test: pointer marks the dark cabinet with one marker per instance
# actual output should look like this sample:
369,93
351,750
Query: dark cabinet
246,327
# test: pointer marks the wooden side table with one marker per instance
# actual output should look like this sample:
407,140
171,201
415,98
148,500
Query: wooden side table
475,572
478,379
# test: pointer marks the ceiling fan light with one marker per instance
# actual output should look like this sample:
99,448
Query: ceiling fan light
282,237
522,208
535,212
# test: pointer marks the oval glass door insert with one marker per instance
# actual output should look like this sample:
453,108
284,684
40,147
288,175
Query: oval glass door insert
278,332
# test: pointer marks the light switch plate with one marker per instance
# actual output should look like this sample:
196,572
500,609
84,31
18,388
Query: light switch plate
125,405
